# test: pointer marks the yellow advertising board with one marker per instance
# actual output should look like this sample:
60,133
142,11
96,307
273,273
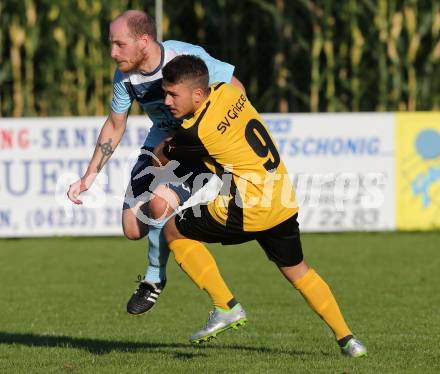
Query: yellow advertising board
417,170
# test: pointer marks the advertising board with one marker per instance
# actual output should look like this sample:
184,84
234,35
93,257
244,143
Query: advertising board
342,166
418,171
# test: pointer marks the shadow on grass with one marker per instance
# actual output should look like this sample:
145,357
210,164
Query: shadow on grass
100,347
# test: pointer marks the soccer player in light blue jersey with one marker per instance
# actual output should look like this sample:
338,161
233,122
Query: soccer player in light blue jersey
140,58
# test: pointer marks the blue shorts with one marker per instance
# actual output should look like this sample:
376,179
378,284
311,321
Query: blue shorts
139,188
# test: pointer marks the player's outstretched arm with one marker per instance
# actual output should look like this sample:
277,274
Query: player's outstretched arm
109,138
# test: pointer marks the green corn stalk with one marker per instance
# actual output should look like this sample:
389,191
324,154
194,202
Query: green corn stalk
58,83
274,97
252,85
115,10
381,24
70,89
96,59
136,4
165,25
47,97
315,83
434,58
342,100
425,68
414,44
17,38
284,76
61,38
281,79
3,68
79,57
342,60
280,56
330,92
287,72
404,41
111,73
30,46
355,58
357,41
199,12
393,55
81,91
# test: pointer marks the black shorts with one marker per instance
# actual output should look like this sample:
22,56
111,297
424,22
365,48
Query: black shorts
281,243
138,189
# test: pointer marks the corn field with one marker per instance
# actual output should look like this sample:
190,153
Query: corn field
292,56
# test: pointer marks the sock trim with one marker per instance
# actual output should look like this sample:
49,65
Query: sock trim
343,342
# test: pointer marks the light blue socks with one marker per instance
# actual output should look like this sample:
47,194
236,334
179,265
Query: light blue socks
158,253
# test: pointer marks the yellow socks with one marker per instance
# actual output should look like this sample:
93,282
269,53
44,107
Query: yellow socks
320,298
193,257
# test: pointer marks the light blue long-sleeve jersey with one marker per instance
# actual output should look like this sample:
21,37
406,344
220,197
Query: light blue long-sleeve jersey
146,88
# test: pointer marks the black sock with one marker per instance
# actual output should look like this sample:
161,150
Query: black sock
232,303
342,342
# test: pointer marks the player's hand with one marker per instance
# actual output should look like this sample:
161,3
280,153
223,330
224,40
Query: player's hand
79,187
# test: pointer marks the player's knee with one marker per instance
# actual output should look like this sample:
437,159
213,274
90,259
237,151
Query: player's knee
295,272
132,233
132,227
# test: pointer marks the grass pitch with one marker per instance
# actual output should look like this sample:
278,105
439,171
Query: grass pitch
62,308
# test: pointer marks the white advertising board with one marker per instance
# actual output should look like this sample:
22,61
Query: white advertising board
40,157
342,165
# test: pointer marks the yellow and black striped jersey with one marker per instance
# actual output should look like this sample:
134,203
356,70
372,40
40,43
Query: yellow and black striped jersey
230,136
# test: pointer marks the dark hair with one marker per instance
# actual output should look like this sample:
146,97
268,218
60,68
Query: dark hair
186,68
140,23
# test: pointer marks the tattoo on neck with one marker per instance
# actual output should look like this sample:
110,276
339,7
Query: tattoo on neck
107,150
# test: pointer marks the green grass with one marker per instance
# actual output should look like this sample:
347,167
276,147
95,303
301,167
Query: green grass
62,309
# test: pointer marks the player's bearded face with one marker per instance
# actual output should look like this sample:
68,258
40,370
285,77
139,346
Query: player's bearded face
127,51
179,98
130,57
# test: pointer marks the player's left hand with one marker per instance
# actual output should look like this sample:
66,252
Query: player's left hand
77,188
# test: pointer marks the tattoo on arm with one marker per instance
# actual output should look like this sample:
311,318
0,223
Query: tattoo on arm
107,151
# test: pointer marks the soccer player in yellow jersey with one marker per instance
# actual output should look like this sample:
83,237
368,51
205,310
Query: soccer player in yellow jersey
257,201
